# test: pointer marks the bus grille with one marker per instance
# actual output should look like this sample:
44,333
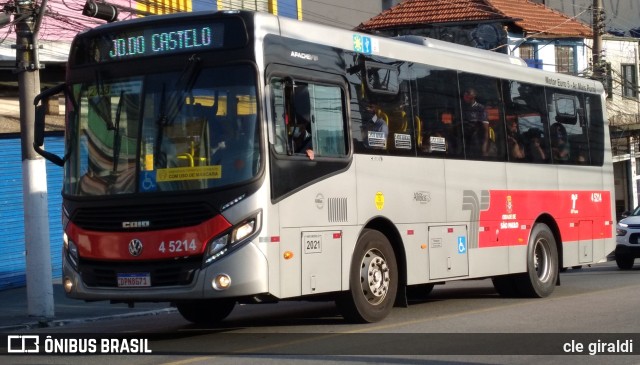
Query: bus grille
158,216
162,273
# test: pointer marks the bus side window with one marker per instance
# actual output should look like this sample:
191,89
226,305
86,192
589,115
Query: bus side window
328,120
482,113
438,128
308,119
525,106
570,134
595,125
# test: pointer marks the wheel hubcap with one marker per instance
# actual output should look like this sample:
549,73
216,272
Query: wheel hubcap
542,260
374,276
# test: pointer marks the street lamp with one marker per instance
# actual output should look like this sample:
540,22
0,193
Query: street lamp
102,11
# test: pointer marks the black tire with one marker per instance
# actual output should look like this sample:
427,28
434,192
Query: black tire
542,264
506,286
625,262
370,300
210,311
420,291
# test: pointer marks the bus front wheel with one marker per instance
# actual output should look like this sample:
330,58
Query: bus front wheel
205,311
373,280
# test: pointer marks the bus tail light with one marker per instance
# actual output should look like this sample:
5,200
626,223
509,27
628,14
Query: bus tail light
71,250
240,233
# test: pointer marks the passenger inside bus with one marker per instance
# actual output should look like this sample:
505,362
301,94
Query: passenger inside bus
535,151
559,143
515,142
302,141
476,124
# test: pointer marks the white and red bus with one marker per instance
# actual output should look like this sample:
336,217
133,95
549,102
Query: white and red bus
216,158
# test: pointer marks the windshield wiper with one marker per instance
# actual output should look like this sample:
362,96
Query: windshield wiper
101,102
169,110
116,134
184,85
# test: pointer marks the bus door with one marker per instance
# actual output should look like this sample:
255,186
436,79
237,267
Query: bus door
309,157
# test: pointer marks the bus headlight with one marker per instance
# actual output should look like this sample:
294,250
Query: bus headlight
71,251
240,233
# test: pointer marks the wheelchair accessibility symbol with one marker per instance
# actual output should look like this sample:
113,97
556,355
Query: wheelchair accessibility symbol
462,244
148,181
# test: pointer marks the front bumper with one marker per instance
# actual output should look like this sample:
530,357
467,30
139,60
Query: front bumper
246,266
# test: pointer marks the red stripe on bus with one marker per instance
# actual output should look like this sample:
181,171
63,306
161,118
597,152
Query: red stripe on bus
580,215
156,245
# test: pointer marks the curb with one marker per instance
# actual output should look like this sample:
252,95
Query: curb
45,323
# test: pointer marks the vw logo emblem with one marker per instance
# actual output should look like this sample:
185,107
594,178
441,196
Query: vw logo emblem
135,247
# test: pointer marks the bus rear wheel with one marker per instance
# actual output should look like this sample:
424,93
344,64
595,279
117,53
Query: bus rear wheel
542,264
207,311
373,280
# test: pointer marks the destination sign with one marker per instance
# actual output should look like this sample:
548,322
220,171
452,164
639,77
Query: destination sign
165,42
157,41
122,43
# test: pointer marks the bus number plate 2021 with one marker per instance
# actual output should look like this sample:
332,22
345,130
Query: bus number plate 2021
135,280
312,242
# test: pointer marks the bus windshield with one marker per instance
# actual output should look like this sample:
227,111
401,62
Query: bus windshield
186,130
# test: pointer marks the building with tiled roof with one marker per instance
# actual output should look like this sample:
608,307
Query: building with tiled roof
418,13
530,17
541,21
545,38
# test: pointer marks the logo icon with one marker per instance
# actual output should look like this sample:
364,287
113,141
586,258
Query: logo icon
319,200
574,199
135,247
23,344
422,197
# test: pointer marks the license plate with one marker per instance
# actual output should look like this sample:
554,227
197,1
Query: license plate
135,280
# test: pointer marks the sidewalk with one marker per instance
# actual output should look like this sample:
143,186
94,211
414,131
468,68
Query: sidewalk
14,312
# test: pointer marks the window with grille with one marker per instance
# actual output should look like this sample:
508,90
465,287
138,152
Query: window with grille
565,60
629,81
528,54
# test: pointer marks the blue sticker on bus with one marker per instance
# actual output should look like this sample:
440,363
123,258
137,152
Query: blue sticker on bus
462,244
362,44
148,181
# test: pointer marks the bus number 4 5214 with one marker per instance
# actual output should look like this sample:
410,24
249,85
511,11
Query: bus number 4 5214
178,246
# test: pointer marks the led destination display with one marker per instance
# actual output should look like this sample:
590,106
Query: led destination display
172,41
158,40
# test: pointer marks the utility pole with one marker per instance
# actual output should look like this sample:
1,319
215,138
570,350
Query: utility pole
598,30
34,173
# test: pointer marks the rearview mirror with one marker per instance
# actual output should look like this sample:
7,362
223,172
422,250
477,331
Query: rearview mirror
39,124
